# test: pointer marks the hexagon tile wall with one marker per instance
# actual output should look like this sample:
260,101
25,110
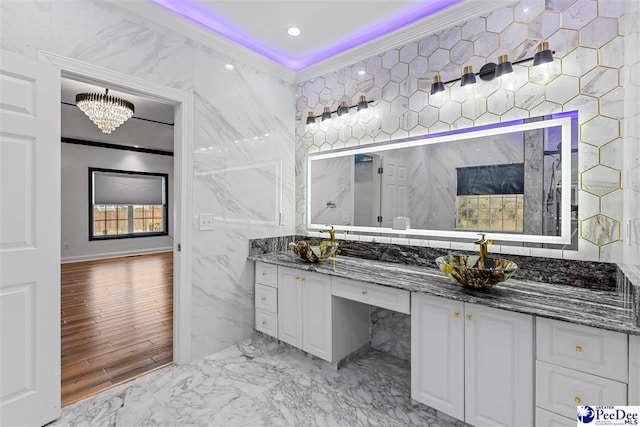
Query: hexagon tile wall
587,37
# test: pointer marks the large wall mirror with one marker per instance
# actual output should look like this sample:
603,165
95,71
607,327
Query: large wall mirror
516,181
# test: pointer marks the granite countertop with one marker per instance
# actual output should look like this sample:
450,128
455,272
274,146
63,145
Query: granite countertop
605,309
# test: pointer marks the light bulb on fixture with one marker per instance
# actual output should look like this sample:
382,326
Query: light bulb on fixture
311,118
326,114
437,86
504,67
543,64
342,108
468,77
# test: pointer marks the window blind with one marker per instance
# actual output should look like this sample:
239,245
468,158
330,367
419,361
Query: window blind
492,179
111,188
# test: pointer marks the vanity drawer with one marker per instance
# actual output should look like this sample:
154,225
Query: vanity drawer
591,350
267,274
267,298
560,390
549,419
267,322
376,295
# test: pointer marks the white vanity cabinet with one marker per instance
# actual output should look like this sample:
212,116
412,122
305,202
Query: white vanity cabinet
579,365
472,362
304,311
634,370
266,299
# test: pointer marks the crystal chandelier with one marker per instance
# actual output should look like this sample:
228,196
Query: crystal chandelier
106,111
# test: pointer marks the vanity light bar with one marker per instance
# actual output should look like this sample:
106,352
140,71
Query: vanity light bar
342,109
490,70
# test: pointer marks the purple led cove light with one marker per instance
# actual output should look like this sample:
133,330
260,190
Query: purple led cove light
205,18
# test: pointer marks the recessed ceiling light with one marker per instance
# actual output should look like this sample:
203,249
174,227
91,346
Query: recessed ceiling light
361,72
229,67
293,31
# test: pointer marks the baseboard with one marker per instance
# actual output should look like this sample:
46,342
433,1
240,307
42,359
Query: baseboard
119,254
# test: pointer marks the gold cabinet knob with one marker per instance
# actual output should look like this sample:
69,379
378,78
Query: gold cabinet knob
579,349
456,314
577,400
468,317
264,323
297,277
302,279
264,273
263,299
364,293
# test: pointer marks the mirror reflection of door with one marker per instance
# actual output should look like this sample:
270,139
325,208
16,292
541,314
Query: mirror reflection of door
393,190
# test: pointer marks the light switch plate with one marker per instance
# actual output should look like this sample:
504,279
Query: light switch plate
205,222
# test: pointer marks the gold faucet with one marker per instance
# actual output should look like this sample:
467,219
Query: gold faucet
332,234
483,242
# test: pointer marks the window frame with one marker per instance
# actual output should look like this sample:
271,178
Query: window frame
165,206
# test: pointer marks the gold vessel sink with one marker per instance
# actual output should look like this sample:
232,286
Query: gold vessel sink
475,271
314,251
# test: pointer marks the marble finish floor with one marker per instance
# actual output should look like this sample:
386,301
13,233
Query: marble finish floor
262,384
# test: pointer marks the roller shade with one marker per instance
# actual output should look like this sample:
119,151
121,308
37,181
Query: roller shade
110,188
493,179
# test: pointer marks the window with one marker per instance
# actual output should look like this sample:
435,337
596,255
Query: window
125,204
500,212
491,198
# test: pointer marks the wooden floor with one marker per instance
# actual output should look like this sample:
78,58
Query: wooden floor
117,317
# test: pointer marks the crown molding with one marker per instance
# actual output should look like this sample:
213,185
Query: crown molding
434,24
236,53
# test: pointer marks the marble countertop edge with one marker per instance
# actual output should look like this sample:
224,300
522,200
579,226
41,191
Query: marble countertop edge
597,308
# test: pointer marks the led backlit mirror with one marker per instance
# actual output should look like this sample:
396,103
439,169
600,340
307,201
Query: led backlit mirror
516,181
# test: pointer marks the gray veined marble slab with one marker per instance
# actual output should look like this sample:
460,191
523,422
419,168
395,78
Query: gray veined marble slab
601,308
262,384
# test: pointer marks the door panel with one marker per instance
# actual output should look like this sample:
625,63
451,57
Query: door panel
316,313
394,201
29,241
437,353
498,367
290,306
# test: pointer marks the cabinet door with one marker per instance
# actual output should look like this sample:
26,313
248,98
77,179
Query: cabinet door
634,370
290,306
498,367
316,315
437,353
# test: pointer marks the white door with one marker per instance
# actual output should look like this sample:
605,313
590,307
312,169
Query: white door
29,241
290,306
316,315
393,190
437,353
498,367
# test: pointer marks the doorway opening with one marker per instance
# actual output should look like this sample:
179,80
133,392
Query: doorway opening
183,167
117,243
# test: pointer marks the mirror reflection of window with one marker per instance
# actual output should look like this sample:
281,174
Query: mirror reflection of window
491,198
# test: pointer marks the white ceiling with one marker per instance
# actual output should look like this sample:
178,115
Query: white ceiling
145,108
322,23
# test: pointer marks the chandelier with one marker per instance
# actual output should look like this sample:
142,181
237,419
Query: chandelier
106,111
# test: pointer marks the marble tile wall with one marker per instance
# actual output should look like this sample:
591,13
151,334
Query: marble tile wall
588,39
243,125
631,179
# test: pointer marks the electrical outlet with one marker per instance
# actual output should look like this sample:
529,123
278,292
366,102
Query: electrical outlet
205,221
